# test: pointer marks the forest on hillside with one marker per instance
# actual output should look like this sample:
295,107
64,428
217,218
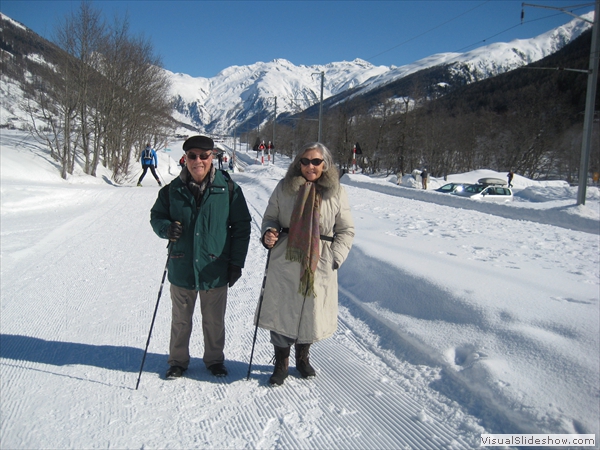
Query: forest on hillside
529,120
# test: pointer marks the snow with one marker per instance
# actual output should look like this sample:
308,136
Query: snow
238,92
457,318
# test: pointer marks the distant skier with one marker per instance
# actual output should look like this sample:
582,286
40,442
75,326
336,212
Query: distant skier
149,160
182,161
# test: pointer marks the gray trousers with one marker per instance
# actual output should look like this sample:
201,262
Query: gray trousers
212,307
279,340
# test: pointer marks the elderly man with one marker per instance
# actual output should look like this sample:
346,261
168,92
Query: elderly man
204,215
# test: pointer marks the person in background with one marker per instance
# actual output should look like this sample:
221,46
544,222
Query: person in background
205,216
309,230
182,161
510,177
424,178
149,160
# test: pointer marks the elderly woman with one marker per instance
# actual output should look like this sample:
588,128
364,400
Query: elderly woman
309,229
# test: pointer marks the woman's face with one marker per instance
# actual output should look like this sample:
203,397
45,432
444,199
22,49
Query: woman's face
312,172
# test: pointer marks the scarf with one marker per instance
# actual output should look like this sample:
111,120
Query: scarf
197,189
304,236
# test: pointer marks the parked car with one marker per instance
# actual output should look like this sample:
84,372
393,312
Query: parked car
492,193
451,187
495,194
470,190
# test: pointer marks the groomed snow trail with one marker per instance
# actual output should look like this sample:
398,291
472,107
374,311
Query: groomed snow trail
79,286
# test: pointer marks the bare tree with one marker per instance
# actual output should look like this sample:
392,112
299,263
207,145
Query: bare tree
135,99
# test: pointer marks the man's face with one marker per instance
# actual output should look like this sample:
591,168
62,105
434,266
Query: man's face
197,166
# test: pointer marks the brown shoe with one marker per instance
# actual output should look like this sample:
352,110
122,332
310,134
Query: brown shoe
302,361
282,361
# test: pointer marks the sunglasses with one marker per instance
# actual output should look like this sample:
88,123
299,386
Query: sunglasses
203,156
315,162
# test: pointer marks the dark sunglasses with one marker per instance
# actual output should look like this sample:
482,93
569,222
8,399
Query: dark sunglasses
203,156
315,162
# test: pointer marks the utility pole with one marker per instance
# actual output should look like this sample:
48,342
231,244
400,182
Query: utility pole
321,104
590,100
274,119
234,147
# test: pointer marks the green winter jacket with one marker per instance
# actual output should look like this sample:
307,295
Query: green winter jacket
215,235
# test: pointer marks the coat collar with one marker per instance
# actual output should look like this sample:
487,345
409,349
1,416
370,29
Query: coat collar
185,175
328,184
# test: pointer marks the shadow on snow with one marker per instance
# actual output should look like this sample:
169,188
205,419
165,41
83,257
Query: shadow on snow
118,358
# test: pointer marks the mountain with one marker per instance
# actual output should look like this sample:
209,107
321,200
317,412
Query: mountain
242,97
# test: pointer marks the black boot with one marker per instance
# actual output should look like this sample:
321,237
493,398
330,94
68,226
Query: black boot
302,362
282,362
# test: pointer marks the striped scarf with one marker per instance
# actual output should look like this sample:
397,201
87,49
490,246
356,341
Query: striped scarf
304,236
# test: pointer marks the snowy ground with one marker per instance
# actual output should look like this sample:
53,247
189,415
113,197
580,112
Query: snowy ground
456,318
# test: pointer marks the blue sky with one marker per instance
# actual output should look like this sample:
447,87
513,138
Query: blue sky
201,38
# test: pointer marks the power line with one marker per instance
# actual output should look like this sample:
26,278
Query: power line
428,31
572,8
510,28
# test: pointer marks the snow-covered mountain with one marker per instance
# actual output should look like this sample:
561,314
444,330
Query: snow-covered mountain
244,96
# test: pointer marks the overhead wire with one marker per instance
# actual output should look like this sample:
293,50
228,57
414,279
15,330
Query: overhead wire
426,32
510,28
574,7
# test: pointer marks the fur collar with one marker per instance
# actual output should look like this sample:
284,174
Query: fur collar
328,184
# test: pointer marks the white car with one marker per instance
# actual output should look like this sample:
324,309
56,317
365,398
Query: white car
487,189
494,194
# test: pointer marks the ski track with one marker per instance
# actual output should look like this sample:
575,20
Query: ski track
93,333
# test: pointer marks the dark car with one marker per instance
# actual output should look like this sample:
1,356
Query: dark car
451,187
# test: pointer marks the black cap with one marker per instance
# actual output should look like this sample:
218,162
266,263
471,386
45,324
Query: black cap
199,142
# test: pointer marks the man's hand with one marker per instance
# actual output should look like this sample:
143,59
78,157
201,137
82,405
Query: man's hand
174,231
233,274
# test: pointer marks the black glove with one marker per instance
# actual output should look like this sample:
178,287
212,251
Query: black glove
233,274
174,231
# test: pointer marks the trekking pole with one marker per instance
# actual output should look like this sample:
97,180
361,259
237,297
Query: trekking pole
260,299
154,316
160,176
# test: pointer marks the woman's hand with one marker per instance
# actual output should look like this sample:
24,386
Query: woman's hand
270,237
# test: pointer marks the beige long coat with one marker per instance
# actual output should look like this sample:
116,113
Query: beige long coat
284,310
